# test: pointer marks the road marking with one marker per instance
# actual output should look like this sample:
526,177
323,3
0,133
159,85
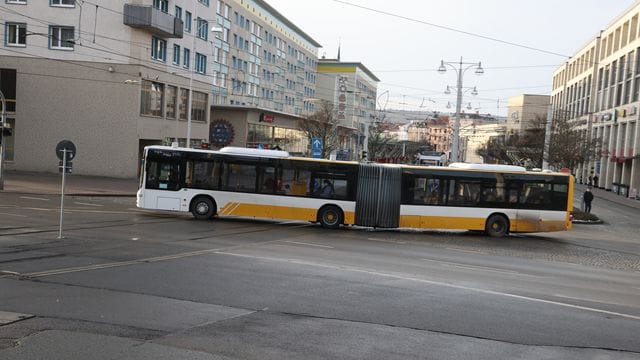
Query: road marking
34,198
136,261
226,251
465,250
590,300
88,204
433,282
477,267
387,241
309,244
16,215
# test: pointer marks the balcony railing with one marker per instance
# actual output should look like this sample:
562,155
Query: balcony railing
158,22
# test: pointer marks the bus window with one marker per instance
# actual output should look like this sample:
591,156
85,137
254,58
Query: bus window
267,179
164,176
331,186
293,182
239,177
204,175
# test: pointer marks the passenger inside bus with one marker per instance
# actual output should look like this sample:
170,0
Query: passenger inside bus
326,191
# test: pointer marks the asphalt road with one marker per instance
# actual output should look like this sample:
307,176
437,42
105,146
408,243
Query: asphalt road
126,283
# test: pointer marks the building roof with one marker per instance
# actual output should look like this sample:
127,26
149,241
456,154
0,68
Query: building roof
333,65
287,22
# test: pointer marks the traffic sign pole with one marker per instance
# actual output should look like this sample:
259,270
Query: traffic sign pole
64,171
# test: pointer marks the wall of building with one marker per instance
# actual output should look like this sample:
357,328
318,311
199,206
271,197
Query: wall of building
526,111
598,90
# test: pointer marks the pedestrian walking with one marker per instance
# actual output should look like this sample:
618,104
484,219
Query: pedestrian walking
587,197
595,180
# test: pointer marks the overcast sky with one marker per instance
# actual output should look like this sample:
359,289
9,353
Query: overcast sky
403,41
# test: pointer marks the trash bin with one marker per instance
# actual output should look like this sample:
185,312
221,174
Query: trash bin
615,189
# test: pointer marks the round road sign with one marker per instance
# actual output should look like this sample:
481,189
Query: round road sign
66,145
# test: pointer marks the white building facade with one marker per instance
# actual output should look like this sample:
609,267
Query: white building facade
115,76
598,89
352,89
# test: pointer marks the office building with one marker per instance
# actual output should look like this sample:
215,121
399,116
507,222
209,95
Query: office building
115,76
598,89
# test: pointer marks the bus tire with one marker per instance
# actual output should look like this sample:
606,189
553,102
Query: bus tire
330,217
497,225
203,208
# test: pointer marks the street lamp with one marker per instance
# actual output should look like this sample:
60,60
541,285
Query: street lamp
461,68
192,65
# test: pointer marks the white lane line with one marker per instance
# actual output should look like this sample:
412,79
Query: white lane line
465,251
16,215
88,204
309,244
433,282
34,198
583,299
387,241
476,267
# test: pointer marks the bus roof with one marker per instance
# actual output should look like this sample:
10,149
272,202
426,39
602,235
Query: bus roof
234,150
487,167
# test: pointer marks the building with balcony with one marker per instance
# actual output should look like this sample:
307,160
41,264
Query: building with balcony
598,89
118,78
352,89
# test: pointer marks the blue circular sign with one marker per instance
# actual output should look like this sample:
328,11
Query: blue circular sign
221,133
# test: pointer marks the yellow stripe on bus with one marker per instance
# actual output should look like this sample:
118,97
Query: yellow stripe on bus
407,221
277,212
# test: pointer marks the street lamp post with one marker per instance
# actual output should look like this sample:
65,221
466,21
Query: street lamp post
461,68
192,65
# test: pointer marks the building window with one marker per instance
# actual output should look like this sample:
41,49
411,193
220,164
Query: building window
187,21
158,49
184,103
206,2
172,99
17,2
64,3
152,98
203,29
179,12
199,106
61,37
16,34
201,63
162,5
176,54
186,58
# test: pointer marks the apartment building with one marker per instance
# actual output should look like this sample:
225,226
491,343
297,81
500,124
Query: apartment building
352,89
598,90
116,76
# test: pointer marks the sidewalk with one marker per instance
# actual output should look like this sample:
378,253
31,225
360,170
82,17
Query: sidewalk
606,195
79,185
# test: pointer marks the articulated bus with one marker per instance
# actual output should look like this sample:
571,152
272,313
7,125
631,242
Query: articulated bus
270,184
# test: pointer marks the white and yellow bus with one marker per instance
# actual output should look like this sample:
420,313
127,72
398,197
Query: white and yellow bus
270,184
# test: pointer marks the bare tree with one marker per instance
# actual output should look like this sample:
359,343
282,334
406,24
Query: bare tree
378,140
568,145
322,125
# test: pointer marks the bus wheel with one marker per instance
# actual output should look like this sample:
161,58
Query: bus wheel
497,226
202,208
330,217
